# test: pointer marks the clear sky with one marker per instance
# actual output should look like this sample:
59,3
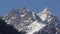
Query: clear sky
34,5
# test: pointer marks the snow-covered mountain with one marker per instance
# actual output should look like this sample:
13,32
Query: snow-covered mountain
33,23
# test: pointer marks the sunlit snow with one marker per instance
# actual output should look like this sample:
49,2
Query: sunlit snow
34,27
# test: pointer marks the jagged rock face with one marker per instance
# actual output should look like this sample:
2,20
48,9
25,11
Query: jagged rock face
21,19
32,23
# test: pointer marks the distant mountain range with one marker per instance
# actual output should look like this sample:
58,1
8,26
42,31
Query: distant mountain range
28,22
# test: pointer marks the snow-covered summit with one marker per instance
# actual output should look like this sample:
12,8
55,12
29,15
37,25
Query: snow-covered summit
46,11
45,14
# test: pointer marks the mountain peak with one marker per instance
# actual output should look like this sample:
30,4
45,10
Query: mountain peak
46,11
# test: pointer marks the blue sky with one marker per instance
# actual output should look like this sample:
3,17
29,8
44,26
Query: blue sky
34,5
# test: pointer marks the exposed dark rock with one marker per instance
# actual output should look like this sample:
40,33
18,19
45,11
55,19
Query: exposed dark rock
7,29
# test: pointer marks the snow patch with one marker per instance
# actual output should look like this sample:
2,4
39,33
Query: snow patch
35,27
22,15
43,17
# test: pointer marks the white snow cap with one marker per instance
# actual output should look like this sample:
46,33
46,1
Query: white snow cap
43,15
46,11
